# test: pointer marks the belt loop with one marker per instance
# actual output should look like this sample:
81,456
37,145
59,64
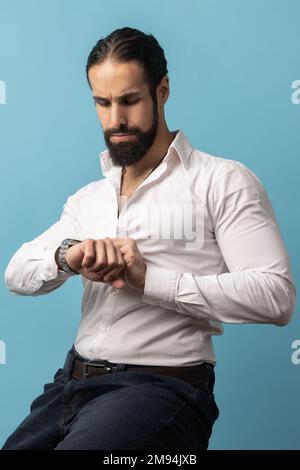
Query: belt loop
211,383
69,362
117,367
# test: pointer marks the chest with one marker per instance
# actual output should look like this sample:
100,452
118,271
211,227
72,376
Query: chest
169,222
127,188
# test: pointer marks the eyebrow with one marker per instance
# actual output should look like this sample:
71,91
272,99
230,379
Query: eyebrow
124,95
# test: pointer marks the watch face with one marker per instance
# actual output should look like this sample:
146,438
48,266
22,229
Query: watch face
65,244
70,241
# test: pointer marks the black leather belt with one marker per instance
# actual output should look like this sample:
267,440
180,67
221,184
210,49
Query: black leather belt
80,368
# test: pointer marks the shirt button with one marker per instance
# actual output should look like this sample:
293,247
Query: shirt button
113,291
103,330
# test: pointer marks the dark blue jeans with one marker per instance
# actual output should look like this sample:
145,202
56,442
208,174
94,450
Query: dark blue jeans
118,410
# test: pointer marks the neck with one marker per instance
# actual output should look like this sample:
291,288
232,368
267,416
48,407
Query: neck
156,153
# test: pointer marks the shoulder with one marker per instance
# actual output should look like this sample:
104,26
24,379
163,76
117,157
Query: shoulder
87,192
221,172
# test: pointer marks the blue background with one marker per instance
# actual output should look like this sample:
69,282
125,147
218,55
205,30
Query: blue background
231,65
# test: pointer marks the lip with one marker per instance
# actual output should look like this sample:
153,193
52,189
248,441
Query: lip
122,136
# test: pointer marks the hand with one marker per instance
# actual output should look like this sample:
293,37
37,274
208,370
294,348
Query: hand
95,258
135,267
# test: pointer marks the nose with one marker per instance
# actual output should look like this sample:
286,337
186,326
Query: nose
117,117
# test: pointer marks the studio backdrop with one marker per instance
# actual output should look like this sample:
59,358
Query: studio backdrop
234,70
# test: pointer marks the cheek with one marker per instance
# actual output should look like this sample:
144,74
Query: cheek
101,116
142,116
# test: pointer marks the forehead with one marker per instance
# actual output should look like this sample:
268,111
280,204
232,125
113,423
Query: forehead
112,79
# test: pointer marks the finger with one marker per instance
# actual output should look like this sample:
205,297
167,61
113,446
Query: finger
118,283
119,267
120,241
114,260
111,258
89,253
100,256
120,258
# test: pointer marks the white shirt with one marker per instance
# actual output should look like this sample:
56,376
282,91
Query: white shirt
233,268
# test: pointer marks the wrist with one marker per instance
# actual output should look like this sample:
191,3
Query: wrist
142,286
57,260
60,255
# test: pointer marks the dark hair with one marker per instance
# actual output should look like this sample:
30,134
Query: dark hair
126,44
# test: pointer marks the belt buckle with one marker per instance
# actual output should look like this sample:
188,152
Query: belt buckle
85,366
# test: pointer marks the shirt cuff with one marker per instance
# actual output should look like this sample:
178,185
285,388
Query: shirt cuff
189,291
50,271
160,285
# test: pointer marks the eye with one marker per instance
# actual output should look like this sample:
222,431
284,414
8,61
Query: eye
101,103
131,102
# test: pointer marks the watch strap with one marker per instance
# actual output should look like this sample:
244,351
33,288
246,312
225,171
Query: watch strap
65,244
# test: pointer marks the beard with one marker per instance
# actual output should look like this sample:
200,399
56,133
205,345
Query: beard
129,152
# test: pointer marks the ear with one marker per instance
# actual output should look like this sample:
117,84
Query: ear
163,91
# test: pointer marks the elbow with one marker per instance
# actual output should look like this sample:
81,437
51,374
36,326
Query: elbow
283,319
8,279
285,316
10,282
279,300
286,308
15,283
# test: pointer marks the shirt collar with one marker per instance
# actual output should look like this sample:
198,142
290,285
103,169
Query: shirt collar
180,144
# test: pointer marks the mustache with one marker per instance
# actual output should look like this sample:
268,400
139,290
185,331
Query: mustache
111,132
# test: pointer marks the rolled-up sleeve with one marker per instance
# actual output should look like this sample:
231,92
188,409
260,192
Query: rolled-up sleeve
32,270
258,287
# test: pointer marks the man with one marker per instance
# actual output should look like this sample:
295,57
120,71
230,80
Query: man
170,244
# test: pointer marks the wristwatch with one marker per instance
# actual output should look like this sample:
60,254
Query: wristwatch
65,244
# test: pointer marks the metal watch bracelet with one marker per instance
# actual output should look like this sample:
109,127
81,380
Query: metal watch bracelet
65,244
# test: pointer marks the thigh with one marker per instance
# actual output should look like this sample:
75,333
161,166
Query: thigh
189,428
40,429
163,414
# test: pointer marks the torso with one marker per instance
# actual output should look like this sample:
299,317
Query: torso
128,187
126,190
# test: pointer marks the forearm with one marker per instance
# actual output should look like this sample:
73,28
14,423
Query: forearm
33,271
237,297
